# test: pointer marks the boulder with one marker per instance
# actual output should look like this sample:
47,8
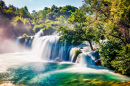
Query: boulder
57,59
98,62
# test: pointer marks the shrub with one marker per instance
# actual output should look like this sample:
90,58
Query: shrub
122,62
38,27
108,52
115,55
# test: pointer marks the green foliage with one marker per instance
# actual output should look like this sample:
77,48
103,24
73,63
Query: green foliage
25,35
74,36
112,20
85,29
76,53
51,16
122,62
2,4
108,52
61,21
114,54
38,27
77,16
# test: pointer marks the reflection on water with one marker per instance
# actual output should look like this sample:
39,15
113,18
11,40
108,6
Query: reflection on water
55,74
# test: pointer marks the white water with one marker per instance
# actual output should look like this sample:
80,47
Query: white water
50,47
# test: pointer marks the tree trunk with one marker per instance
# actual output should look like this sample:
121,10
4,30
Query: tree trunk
91,45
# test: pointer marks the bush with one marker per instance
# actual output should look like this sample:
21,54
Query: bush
122,62
108,52
38,27
115,55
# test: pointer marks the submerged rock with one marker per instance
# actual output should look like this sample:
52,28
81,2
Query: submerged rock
57,59
98,62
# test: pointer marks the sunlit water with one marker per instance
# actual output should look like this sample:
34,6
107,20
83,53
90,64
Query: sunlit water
23,69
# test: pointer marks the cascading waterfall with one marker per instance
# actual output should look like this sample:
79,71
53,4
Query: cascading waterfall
27,41
50,47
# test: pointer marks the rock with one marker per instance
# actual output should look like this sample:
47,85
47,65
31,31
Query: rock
57,59
86,80
98,62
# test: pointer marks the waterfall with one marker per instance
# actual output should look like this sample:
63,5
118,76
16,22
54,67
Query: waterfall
50,48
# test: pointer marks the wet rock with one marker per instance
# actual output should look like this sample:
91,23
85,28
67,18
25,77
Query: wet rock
98,62
57,59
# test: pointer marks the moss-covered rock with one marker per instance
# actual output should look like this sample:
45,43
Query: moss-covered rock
76,53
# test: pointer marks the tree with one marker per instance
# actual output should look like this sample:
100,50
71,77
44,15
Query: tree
34,11
10,10
2,4
22,12
51,16
53,8
115,16
78,16
61,20
91,29
79,34
26,9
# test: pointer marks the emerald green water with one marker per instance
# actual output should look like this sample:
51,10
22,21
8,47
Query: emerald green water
54,74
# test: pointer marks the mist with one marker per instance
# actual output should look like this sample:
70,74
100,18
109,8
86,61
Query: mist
10,46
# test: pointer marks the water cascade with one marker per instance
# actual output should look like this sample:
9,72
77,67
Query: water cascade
50,47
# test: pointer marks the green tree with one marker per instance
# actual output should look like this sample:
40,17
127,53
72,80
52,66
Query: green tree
51,16
2,4
26,9
78,16
22,12
93,30
115,16
61,20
